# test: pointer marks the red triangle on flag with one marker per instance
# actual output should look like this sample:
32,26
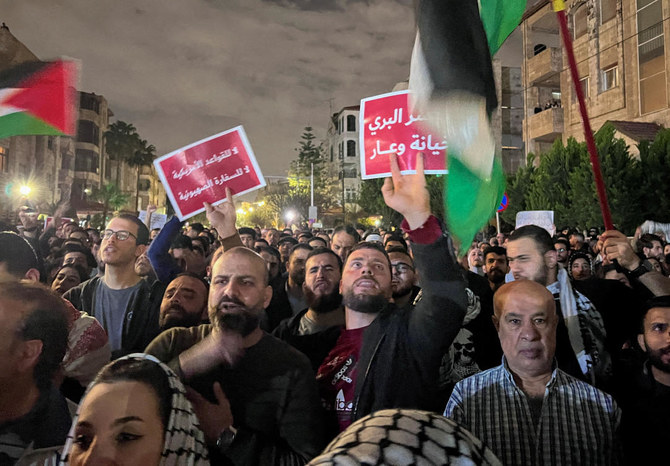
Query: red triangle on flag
49,95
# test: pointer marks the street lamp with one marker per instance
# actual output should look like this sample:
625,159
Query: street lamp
24,190
289,216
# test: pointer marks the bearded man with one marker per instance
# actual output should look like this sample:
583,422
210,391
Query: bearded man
254,395
315,330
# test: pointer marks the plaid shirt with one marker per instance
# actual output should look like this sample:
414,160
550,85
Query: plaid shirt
578,423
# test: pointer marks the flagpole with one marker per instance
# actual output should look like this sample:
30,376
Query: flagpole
559,8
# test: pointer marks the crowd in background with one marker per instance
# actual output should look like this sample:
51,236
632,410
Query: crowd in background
257,345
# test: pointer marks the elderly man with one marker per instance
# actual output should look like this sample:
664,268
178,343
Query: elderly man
255,396
528,411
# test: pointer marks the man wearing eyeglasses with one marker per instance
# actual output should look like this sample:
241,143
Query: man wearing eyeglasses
562,248
125,305
403,283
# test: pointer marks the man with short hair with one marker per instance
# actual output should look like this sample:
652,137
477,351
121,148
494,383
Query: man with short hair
248,237
314,330
284,247
562,247
386,356
495,266
651,246
125,305
295,277
404,282
645,391
184,303
318,242
194,229
88,348
527,410
344,238
395,241
255,396
272,237
34,416
80,255
577,243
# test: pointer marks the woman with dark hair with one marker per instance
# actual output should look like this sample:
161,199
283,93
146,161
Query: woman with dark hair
135,412
68,276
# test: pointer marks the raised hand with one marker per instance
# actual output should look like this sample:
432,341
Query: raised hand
407,194
614,245
223,216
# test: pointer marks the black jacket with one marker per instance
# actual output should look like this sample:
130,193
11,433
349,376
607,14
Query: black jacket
142,314
402,349
315,346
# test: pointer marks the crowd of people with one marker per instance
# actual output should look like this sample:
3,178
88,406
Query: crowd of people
260,346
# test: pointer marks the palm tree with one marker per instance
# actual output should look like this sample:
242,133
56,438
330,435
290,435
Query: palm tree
143,156
121,141
110,196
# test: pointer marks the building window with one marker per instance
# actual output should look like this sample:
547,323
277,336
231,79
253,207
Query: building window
351,148
89,102
607,10
144,185
50,142
331,153
86,161
350,172
579,25
584,83
4,160
609,78
350,195
340,152
351,123
88,132
651,56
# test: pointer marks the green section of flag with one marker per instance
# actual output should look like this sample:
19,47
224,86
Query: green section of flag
470,200
20,123
500,18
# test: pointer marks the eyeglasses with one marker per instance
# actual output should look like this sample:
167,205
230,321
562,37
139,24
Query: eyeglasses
561,250
401,267
121,235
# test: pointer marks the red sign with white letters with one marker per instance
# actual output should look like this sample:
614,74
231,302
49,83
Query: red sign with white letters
387,127
201,172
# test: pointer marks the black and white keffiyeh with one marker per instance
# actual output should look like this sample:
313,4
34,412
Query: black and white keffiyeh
404,436
184,443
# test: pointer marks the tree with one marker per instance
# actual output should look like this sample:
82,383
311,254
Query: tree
371,200
143,156
121,142
111,197
563,181
297,194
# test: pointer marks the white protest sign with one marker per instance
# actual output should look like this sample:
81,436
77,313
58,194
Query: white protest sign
541,218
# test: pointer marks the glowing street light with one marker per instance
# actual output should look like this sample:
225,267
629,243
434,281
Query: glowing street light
24,190
289,216
241,212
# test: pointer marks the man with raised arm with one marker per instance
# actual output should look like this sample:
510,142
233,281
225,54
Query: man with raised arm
388,357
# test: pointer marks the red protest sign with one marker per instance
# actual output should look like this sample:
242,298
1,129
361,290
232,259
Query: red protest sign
386,127
201,172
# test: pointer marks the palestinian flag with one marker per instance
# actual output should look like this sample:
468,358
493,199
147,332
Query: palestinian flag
38,98
451,79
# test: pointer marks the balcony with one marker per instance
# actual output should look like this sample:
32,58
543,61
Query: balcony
546,125
545,67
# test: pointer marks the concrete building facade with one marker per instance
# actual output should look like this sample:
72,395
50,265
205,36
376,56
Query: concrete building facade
343,153
621,49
